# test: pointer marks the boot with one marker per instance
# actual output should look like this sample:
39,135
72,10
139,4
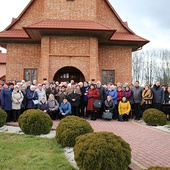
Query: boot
95,116
92,115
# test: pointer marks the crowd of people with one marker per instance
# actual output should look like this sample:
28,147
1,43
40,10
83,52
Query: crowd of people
62,99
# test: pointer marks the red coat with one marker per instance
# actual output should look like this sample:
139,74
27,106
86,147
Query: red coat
92,95
119,95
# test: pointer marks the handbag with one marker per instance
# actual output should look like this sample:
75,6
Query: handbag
35,102
97,104
107,115
143,101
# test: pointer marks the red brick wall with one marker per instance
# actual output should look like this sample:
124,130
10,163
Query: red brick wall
78,52
70,10
56,52
32,15
106,16
21,56
118,59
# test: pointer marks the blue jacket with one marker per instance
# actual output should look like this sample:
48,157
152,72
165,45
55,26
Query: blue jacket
65,108
86,91
31,95
113,94
6,101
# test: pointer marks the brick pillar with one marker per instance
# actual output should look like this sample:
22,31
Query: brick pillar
44,60
94,62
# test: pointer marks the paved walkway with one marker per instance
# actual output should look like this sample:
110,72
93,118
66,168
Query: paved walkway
150,146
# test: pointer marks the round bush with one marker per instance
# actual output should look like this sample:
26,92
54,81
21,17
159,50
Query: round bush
158,168
154,117
71,127
102,150
3,116
35,122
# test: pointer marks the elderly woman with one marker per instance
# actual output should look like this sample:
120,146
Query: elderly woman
92,94
109,105
147,96
167,102
52,107
43,105
65,108
124,109
6,103
113,93
31,95
17,98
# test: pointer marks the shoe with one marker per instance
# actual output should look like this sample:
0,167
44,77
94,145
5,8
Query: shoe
94,119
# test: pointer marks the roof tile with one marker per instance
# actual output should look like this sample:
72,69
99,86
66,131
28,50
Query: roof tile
69,24
14,34
119,36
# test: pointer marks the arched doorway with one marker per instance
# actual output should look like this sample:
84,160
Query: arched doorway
66,74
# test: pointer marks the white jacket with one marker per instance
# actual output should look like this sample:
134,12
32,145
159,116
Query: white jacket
17,98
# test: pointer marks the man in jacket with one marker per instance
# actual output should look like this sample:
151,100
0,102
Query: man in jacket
158,95
102,97
137,98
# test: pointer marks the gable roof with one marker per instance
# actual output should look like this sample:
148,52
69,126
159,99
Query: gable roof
29,32
124,24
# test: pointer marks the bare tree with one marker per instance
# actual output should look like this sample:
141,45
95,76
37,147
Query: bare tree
151,65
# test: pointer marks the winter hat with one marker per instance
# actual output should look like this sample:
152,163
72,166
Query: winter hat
6,83
112,86
32,86
16,86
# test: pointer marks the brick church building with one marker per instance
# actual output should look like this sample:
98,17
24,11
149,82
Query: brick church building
69,39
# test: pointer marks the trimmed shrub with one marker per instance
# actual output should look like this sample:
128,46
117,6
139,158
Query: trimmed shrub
158,168
3,117
35,122
102,151
71,127
154,117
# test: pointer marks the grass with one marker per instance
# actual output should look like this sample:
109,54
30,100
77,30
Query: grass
18,152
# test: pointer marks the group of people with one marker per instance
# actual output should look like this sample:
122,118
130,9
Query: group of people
63,99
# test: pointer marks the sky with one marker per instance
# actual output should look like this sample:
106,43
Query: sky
149,19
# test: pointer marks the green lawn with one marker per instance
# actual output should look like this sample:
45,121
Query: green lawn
18,152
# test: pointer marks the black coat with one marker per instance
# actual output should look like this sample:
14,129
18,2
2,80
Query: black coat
167,96
109,105
43,106
102,92
74,95
158,94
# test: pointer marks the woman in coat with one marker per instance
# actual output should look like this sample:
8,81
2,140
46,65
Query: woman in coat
53,106
65,108
120,93
42,105
124,109
167,102
113,93
31,95
73,95
17,98
6,102
109,105
147,96
128,94
92,94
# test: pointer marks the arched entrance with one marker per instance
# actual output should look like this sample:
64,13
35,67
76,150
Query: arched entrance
66,74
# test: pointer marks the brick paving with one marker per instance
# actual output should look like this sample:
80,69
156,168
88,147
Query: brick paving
150,146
